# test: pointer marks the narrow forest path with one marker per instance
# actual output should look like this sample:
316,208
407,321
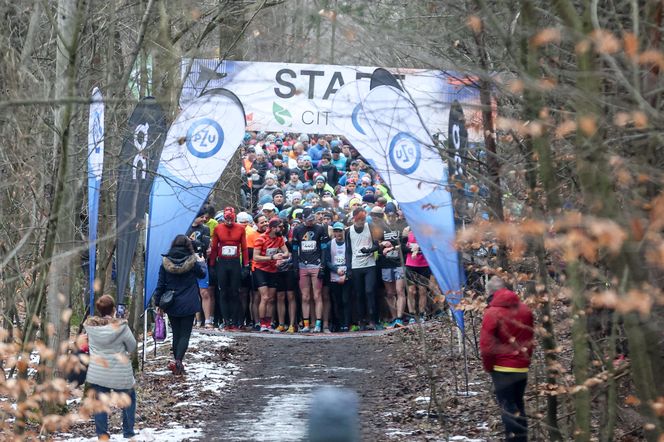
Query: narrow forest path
271,397
270,400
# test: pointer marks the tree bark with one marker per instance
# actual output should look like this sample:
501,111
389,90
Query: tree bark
60,273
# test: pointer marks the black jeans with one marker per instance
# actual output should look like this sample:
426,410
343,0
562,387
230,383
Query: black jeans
229,275
364,283
341,301
510,388
181,326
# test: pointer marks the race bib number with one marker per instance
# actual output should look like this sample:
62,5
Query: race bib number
229,251
308,246
271,251
339,260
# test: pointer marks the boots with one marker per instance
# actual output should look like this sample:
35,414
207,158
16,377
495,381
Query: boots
179,369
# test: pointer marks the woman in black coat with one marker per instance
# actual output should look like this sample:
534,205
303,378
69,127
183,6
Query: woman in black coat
180,270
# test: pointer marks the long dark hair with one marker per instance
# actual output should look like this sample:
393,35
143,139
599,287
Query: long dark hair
182,241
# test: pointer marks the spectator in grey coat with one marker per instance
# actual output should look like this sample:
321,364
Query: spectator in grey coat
110,342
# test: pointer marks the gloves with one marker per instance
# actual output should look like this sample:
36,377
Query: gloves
245,272
365,250
321,273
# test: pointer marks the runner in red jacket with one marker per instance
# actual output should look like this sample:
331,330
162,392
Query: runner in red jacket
228,256
506,345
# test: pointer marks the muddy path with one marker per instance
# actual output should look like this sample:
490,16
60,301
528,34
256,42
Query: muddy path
270,400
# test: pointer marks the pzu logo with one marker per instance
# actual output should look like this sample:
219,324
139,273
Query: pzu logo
405,153
97,132
204,138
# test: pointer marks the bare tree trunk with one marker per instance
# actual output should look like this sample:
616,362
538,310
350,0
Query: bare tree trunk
489,129
539,144
60,272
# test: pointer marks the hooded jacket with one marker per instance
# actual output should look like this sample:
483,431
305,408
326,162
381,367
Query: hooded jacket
506,339
267,191
110,342
180,271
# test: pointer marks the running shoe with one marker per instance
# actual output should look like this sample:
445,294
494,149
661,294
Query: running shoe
343,329
222,327
280,329
265,329
232,328
355,328
257,327
422,318
209,325
198,324
370,327
379,327
326,330
305,330
171,366
412,321
398,323
291,329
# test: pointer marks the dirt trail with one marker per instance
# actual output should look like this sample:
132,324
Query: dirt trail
270,399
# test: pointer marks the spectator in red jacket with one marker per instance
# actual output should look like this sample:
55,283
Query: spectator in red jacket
506,345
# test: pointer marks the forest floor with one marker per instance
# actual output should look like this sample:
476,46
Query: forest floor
259,387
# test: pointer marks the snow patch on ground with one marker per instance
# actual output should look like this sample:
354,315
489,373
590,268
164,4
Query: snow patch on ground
468,393
395,432
465,439
283,418
172,434
205,372
422,399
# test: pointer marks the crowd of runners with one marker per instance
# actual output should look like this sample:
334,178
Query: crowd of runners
319,245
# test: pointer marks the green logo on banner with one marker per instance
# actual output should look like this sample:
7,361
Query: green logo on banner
282,115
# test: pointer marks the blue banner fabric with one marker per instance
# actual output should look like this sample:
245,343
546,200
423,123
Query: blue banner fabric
95,170
385,127
198,147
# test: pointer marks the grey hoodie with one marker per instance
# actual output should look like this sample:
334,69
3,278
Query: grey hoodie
110,342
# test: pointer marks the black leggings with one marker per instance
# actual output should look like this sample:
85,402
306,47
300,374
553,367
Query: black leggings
342,302
229,275
364,283
181,326
510,388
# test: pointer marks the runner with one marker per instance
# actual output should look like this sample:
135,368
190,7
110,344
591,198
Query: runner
309,242
338,255
269,250
245,220
390,262
255,299
199,234
230,255
363,266
418,272
286,287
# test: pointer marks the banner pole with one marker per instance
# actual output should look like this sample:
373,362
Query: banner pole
465,360
456,380
145,336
